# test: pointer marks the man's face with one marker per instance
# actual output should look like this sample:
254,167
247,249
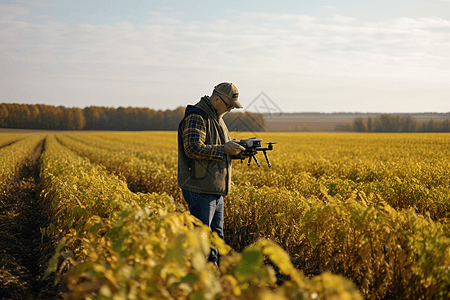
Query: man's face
222,105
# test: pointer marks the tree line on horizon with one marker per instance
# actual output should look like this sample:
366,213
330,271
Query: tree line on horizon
48,117
395,123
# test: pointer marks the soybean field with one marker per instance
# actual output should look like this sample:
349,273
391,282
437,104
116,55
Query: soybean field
98,215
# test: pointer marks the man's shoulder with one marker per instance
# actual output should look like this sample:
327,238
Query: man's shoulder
191,109
195,119
194,116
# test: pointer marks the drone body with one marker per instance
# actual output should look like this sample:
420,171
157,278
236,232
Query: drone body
252,146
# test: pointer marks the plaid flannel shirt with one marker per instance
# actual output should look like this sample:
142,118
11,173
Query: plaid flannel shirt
194,134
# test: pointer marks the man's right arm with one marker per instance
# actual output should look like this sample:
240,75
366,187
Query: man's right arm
194,135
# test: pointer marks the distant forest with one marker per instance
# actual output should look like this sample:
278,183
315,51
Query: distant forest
395,123
47,117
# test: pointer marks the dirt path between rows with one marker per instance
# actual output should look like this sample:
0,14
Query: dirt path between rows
24,253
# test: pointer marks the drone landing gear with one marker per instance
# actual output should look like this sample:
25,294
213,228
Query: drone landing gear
255,159
250,160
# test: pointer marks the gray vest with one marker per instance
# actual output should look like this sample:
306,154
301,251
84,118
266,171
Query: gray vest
205,176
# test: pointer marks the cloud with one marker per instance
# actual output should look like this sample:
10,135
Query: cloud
247,39
343,19
256,48
164,18
13,10
30,2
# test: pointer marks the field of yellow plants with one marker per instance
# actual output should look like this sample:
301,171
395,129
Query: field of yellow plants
337,216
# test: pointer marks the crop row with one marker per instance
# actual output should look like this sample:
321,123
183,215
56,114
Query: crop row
405,170
387,253
331,220
13,155
143,171
7,139
122,245
371,207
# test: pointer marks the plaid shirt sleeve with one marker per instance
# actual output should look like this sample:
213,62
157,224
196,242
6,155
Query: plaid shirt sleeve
194,134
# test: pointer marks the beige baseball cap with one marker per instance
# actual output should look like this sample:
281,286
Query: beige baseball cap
228,89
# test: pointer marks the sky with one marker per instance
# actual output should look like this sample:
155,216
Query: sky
385,56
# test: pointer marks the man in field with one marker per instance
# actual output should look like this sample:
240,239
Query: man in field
204,163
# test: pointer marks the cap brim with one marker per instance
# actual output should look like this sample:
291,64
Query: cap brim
236,103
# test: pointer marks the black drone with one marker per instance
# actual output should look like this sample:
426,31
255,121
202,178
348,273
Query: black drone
252,146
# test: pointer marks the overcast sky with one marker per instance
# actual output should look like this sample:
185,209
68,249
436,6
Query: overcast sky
287,56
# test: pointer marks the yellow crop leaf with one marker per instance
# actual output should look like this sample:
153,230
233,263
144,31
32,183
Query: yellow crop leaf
99,268
234,284
109,274
198,261
223,248
281,259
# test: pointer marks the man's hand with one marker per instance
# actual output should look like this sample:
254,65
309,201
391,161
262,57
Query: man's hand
233,148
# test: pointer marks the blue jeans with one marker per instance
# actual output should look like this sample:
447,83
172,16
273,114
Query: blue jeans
208,209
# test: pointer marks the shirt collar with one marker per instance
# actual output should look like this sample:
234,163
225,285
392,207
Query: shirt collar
208,102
